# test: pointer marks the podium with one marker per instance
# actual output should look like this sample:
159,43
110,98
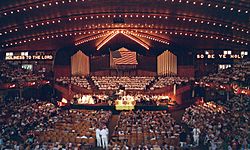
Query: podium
126,103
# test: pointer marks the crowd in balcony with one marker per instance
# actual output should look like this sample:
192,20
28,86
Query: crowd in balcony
113,82
220,127
79,81
237,73
10,73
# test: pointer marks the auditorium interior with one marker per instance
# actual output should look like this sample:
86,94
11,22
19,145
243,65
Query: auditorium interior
124,75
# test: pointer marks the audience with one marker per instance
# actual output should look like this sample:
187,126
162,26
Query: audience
74,128
113,82
221,127
137,83
20,118
237,73
15,74
36,124
237,103
146,130
167,81
79,81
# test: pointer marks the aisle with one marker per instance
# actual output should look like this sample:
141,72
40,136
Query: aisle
112,124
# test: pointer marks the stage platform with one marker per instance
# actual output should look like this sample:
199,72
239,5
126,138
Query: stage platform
112,107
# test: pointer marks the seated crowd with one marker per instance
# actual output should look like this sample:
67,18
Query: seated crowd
73,128
237,73
238,103
79,81
221,127
129,83
167,81
35,124
146,130
20,118
113,82
14,73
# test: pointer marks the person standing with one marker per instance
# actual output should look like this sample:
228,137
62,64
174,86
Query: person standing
98,136
183,138
196,133
104,133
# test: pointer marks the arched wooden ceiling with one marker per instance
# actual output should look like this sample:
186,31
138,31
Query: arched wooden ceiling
51,24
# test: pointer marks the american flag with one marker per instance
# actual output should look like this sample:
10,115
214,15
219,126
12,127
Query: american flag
123,57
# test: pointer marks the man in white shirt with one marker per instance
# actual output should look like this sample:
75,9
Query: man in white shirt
98,136
196,133
104,133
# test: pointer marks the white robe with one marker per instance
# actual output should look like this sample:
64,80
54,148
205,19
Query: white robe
98,137
104,133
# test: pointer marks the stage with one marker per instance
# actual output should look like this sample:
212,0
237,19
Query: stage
137,107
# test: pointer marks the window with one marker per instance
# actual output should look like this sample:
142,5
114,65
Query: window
27,66
208,52
40,53
9,53
244,53
227,52
24,53
224,66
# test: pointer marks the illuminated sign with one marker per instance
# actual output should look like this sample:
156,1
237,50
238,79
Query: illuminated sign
220,56
227,54
28,57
